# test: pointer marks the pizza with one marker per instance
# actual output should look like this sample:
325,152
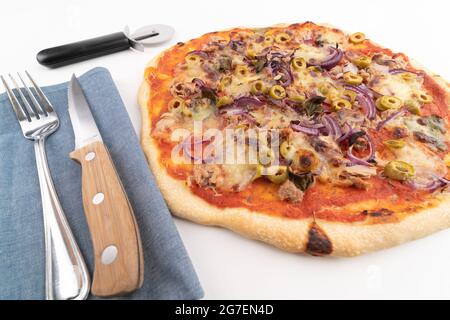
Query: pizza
302,136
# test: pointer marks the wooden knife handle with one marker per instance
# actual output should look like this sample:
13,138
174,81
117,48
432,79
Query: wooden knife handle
115,237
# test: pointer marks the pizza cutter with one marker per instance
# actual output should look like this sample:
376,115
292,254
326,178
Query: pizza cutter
96,47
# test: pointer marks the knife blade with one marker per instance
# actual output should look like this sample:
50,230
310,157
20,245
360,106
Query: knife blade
83,123
114,232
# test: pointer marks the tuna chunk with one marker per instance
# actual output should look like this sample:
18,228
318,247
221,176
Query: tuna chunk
289,192
207,175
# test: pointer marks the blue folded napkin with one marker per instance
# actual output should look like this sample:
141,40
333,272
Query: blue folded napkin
168,270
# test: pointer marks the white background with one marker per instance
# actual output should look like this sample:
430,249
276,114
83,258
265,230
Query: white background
228,265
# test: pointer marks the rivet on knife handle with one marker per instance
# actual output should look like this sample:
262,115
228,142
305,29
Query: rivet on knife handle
118,258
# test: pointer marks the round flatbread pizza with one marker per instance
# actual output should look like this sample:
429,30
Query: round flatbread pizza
301,136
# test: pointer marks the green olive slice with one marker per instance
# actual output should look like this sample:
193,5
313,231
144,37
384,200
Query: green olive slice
287,150
298,64
388,102
268,40
241,71
413,106
193,58
351,95
357,38
278,174
424,97
282,37
339,104
394,144
352,78
399,170
224,101
277,92
225,82
176,104
408,76
258,87
362,62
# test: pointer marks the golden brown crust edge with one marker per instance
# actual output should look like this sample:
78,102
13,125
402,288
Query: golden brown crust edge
347,239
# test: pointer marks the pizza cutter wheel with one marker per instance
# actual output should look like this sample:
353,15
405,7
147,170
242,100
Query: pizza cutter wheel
100,46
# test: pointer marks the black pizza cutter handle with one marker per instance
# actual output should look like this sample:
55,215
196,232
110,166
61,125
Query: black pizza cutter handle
100,46
83,50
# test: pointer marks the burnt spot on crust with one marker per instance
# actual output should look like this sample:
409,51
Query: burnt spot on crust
180,44
382,215
378,213
318,242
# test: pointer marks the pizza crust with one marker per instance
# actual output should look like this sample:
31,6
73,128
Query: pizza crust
293,235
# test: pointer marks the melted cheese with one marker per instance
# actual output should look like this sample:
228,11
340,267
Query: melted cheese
395,85
414,126
240,86
308,53
333,38
398,122
194,70
425,162
272,119
298,141
307,82
238,176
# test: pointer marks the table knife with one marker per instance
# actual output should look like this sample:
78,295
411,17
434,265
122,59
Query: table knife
115,236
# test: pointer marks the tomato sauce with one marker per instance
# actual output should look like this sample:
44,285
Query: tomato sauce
317,201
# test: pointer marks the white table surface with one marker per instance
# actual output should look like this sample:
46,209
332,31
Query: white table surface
228,265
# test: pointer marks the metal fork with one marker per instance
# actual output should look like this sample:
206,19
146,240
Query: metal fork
66,275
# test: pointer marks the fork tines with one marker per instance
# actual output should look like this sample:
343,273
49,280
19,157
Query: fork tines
39,107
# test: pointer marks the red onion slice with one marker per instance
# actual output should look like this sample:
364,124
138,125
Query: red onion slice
274,66
360,89
397,71
443,180
246,101
310,125
356,160
364,161
332,126
200,53
187,151
232,110
278,67
239,106
346,135
199,82
287,77
328,129
391,117
189,143
435,185
250,119
191,140
431,186
331,61
364,97
371,144
306,130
